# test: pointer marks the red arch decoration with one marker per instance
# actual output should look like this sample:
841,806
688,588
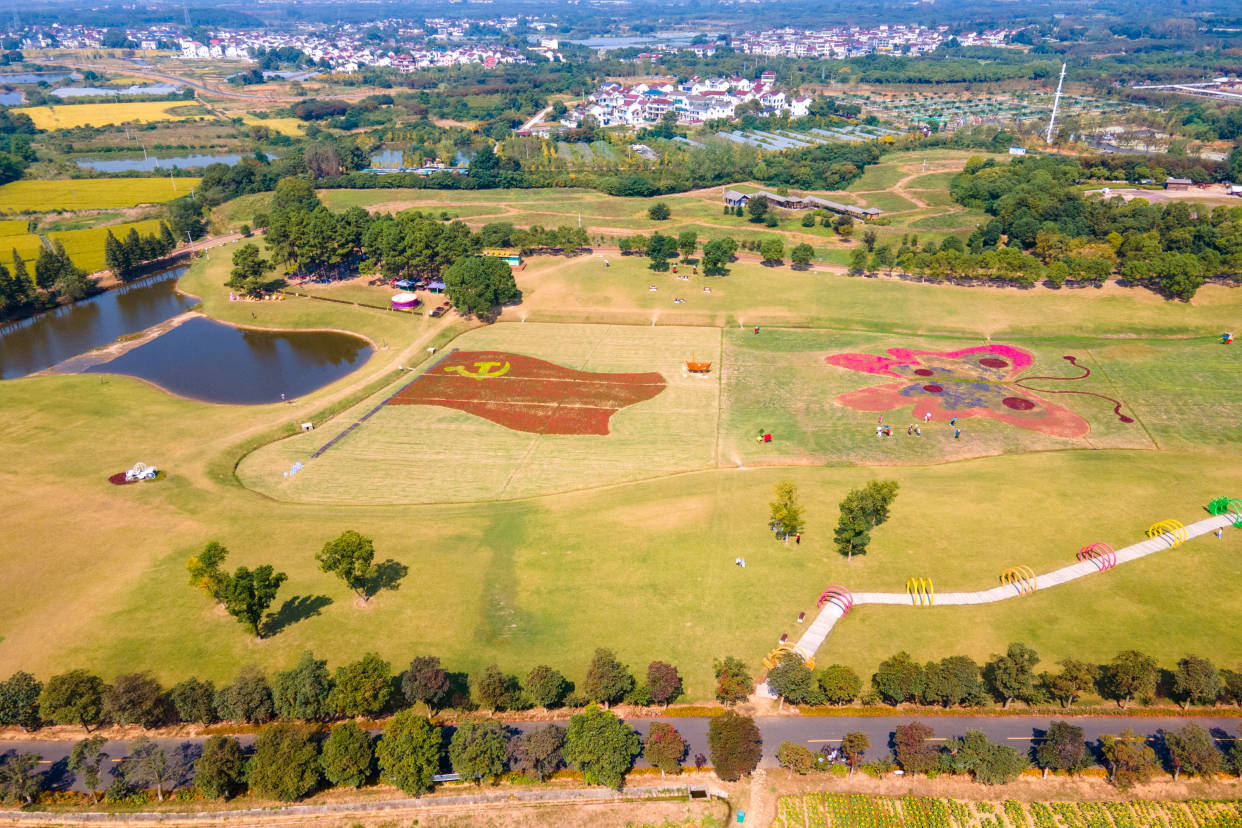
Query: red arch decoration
840,595
1104,556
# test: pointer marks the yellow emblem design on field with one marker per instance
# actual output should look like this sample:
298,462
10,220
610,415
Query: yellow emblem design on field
484,370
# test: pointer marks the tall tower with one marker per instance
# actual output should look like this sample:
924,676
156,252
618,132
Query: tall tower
1056,101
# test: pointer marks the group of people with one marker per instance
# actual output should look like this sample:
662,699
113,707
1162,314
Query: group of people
914,429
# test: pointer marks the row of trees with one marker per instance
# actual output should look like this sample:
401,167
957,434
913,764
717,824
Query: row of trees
290,761
56,277
310,692
716,254
1008,677
124,257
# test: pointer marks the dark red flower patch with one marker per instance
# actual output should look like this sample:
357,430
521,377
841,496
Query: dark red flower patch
528,394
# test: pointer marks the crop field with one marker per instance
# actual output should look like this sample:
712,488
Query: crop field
86,246
458,445
285,126
107,114
90,193
821,810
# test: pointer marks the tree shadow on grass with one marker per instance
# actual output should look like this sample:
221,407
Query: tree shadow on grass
388,575
295,609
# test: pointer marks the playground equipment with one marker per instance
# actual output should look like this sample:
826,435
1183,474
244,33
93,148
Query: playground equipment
1226,338
778,655
1171,530
693,366
921,591
1022,577
839,595
1103,555
1228,506
141,471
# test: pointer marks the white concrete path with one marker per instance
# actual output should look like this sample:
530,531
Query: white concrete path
814,637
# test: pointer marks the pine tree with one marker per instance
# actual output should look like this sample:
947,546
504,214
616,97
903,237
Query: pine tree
168,242
21,278
115,257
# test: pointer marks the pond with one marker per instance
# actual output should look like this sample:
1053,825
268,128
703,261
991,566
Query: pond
151,162
210,361
49,338
99,91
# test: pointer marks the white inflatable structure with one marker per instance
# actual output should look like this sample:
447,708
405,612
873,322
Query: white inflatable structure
141,471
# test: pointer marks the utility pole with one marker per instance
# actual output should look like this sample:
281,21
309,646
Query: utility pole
1056,100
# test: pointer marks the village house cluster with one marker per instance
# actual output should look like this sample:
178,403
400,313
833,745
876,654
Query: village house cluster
855,41
695,101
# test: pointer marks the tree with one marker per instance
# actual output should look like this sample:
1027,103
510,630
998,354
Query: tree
715,256
840,684
249,269
602,746
1130,675
220,771
409,752
796,757
116,257
1063,748
194,701
660,249
19,701
1192,750
478,284
285,764
735,744
426,682
785,513
347,756
86,760
954,680
869,239
858,261
249,593
802,254
607,680
659,211
295,194
302,693
663,682
1129,759
20,780
149,764
733,681
75,697
135,698
537,753
687,243
362,687
546,687
757,208
1075,678
1196,681
898,679
1012,675
853,746
912,749
664,748
792,679
248,699
496,691
350,557
205,572
853,532
772,251
479,748
988,763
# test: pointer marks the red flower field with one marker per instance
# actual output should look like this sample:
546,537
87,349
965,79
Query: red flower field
528,394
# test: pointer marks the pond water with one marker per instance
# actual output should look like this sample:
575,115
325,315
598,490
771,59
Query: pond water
12,98
214,362
44,340
96,91
35,77
151,162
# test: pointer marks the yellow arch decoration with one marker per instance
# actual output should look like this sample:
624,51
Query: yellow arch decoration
1173,529
778,655
1022,577
921,591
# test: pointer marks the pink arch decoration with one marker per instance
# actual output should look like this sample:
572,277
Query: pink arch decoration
1104,556
839,595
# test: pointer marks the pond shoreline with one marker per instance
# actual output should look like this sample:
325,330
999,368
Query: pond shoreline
106,353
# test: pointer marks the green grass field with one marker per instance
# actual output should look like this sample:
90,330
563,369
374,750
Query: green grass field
524,550
90,193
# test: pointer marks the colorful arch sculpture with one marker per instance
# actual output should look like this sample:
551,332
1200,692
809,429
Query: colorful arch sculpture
921,591
838,595
1022,577
1173,531
778,655
1103,555
1229,506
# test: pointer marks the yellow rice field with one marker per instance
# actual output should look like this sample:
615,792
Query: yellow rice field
106,114
90,193
86,246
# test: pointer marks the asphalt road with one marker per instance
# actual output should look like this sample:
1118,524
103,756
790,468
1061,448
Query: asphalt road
814,731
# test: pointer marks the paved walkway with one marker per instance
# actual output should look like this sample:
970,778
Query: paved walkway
814,637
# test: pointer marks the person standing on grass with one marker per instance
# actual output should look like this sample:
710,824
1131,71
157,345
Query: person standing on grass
957,434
